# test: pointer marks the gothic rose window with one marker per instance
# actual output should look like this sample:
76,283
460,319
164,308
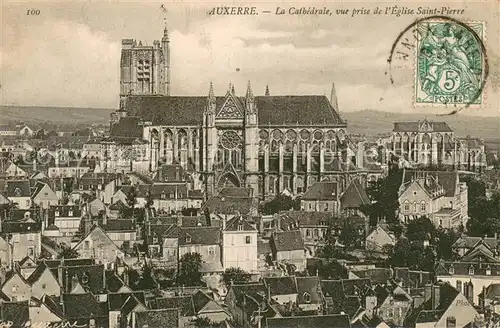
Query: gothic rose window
230,140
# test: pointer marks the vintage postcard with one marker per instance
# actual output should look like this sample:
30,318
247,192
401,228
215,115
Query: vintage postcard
255,164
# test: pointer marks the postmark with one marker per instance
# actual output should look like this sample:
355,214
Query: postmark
447,61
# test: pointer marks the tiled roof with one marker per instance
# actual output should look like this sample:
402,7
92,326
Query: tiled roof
64,211
118,205
127,127
228,205
171,172
320,321
376,275
238,223
273,110
83,306
114,283
18,188
91,277
448,180
158,318
118,225
470,242
116,300
200,299
183,303
196,235
310,285
289,240
322,191
15,312
40,269
492,291
255,290
21,227
159,191
415,126
354,196
307,219
281,285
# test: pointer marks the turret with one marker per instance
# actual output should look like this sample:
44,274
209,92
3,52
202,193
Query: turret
165,45
249,100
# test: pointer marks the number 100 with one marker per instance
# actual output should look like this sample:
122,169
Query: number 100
33,12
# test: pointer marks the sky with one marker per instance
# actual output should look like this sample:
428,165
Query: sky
69,54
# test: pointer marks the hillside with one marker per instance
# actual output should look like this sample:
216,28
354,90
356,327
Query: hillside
366,122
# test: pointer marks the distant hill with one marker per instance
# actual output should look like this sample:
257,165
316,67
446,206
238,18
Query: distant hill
54,115
368,122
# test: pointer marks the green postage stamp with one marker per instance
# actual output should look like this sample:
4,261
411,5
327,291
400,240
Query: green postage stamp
450,64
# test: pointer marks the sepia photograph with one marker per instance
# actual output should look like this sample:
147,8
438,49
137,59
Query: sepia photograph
194,164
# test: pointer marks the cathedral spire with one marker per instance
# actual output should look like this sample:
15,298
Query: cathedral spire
211,94
267,90
232,89
249,92
333,98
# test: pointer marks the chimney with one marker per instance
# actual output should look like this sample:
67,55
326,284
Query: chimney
436,296
360,155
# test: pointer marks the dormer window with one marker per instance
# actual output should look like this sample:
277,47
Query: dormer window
17,192
452,269
471,270
163,195
240,227
188,239
488,271
70,213
85,278
99,186
57,213
307,297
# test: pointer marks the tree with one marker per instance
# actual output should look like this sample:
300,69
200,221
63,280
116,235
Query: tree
68,253
384,196
444,250
413,255
189,270
146,280
204,322
235,276
349,236
280,203
421,229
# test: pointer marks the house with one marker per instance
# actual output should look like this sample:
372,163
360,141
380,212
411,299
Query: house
444,306
313,227
5,252
156,318
98,245
16,287
206,307
353,199
165,196
43,282
202,240
63,167
14,171
25,238
319,321
288,248
19,192
309,295
84,309
489,299
476,270
322,197
379,237
466,243
104,185
121,231
282,290
45,311
436,194
66,218
43,195
239,245
116,209
393,304
26,131
184,303
6,130
122,307
246,301
78,275
26,266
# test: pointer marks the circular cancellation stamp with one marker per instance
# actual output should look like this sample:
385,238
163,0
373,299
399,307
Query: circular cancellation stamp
447,60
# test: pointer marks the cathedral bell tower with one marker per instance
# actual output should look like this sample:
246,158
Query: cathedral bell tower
251,133
209,139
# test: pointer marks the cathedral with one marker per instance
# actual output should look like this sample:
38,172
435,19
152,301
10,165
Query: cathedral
269,143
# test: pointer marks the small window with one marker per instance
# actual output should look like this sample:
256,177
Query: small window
407,207
423,207
326,207
248,239
188,238
240,227
87,244
307,298
70,213
308,233
471,270
44,286
488,271
452,269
